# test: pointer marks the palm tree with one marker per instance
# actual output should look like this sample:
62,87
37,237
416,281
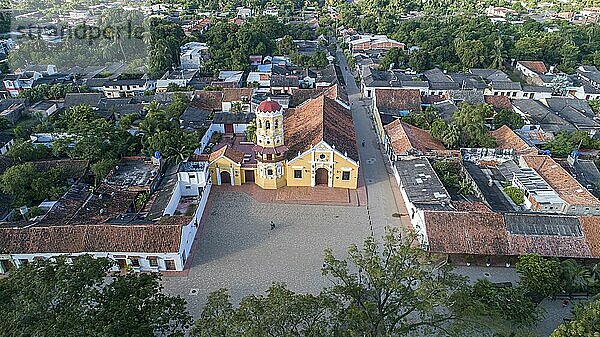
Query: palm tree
576,276
236,107
465,187
497,57
251,131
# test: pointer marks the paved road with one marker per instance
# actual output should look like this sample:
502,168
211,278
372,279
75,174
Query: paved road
381,202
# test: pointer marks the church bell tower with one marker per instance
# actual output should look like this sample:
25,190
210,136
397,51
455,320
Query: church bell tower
270,148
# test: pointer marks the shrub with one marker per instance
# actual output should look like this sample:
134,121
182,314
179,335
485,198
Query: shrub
517,196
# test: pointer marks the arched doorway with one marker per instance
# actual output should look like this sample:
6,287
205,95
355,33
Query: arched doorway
321,176
225,177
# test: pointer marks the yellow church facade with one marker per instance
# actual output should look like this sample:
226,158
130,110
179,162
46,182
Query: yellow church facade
311,145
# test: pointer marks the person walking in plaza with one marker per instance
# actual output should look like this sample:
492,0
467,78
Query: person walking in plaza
272,225
363,143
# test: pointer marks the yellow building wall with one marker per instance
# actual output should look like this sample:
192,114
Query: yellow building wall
378,126
225,164
340,162
269,184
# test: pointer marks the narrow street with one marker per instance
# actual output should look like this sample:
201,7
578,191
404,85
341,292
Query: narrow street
381,202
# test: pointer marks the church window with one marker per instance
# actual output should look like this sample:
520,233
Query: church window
298,174
269,172
269,156
346,175
276,125
259,123
322,157
267,125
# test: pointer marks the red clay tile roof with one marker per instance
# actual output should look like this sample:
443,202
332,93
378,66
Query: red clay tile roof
466,233
568,189
398,99
508,139
498,102
208,100
91,238
228,152
406,138
236,94
320,119
536,66
547,245
591,230
471,206
484,233
269,106
335,91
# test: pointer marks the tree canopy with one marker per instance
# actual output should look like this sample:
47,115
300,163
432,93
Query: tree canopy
57,297
585,323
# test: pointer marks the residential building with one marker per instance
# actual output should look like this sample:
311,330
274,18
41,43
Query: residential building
12,109
579,201
390,104
404,141
236,100
531,71
229,79
370,42
421,190
192,55
179,77
7,140
117,88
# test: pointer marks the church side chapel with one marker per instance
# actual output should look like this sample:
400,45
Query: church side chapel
311,145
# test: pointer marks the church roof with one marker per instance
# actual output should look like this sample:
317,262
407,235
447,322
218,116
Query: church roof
320,119
269,106
229,153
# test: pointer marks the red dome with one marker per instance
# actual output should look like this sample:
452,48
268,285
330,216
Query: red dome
269,106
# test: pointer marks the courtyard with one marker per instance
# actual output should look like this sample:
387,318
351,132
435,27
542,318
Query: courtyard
238,251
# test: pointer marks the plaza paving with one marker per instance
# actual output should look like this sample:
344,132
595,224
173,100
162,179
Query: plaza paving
238,251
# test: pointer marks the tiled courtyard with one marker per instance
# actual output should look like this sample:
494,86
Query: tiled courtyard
238,251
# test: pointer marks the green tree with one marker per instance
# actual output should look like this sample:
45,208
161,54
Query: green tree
383,286
470,120
585,323
4,124
176,143
509,118
471,53
595,105
29,186
319,59
58,298
419,61
165,39
395,58
280,313
286,45
569,54
101,168
575,276
495,311
540,276
422,120
24,151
